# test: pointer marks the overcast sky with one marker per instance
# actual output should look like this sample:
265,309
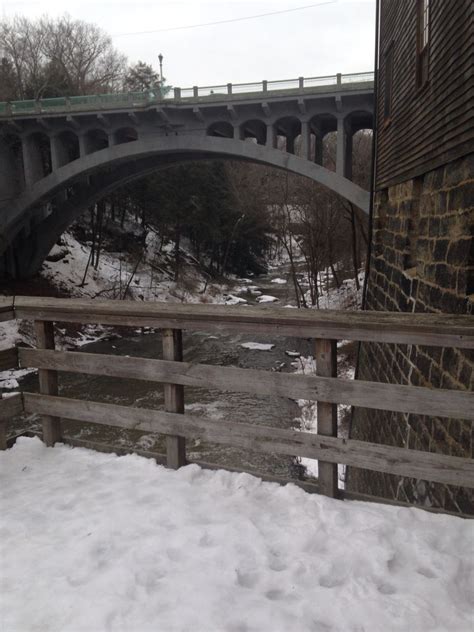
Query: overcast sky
337,36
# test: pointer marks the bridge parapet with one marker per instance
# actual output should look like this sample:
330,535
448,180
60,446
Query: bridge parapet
228,92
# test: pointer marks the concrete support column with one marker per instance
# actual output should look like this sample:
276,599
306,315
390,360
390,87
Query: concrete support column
348,156
32,161
340,146
236,132
110,138
271,136
82,145
305,140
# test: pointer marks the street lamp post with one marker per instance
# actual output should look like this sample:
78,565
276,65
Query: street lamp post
160,59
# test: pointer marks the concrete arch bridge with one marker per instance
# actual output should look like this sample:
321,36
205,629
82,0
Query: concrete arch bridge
59,156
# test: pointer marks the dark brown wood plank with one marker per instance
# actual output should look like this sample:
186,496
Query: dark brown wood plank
8,359
174,397
326,366
9,407
48,382
399,398
402,462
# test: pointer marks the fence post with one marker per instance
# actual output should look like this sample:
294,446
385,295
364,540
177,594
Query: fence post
229,88
195,91
326,366
339,78
177,93
264,85
174,398
48,381
301,83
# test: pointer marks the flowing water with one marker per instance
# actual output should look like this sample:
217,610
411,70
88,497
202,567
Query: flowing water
218,349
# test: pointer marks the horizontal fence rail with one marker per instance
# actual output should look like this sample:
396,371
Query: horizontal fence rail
324,326
142,99
439,330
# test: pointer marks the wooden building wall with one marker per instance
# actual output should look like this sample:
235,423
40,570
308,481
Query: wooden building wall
432,125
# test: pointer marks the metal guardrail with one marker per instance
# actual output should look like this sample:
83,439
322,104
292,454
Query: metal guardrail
142,99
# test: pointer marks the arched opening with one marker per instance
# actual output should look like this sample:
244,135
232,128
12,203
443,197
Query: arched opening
66,147
221,129
125,135
358,146
288,128
36,157
255,129
95,140
323,129
361,157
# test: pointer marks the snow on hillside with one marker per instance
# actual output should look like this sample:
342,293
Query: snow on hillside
98,542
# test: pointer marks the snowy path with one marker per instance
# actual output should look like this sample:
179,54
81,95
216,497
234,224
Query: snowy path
93,542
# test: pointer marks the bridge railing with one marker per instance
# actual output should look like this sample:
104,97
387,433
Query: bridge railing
324,326
137,100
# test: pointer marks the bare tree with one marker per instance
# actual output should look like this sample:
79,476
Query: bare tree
60,57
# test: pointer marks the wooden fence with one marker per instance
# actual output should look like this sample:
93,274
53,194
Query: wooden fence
324,326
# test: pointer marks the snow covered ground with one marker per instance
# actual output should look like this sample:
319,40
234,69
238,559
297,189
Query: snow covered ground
94,542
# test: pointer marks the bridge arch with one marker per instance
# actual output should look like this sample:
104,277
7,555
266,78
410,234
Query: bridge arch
115,165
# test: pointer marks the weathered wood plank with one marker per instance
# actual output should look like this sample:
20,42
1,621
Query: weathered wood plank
423,329
6,304
399,398
9,407
8,359
403,462
48,382
326,366
174,398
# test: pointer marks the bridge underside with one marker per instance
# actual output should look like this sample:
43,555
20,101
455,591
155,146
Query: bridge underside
33,222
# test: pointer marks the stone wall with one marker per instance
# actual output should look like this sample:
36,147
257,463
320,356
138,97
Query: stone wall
422,261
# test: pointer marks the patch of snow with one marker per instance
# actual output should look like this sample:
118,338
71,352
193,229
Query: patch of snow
266,298
293,354
257,346
234,300
93,541
280,281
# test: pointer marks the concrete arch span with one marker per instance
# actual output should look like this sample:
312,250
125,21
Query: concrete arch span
113,166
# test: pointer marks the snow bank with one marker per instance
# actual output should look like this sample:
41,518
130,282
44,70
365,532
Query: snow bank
266,298
279,281
257,346
96,542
